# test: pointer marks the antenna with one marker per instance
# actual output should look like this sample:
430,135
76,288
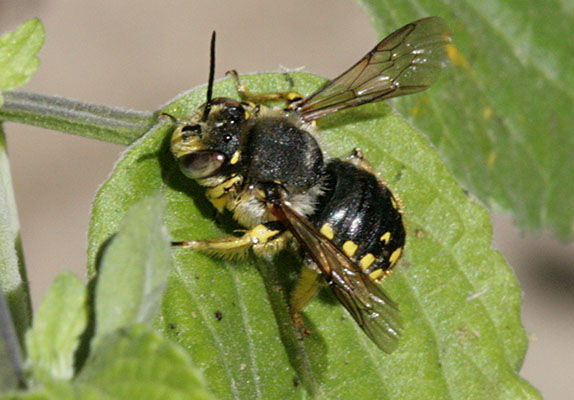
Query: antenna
211,78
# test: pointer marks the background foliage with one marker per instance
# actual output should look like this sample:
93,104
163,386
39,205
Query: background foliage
503,121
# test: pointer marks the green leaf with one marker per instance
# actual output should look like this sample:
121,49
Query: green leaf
459,300
58,325
134,269
131,363
503,119
13,280
18,49
136,363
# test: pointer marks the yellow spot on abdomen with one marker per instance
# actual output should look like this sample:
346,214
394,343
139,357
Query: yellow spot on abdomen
327,231
395,256
456,56
349,248
367,260
376,274
386,238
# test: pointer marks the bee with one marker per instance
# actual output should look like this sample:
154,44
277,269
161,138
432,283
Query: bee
264,165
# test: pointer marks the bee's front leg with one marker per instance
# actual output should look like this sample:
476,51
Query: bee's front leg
264,238
288,97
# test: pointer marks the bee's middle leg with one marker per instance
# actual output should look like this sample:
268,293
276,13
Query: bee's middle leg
263,238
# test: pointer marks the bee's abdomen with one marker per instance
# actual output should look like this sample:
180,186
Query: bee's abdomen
362,217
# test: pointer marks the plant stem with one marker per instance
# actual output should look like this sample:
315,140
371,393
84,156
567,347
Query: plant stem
109,124
11,357
13,280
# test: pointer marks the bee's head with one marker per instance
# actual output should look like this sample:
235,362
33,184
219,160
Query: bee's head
209,143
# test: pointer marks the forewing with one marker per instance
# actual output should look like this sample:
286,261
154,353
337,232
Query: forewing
371,308
406,61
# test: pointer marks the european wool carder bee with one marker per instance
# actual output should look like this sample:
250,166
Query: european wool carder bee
264,165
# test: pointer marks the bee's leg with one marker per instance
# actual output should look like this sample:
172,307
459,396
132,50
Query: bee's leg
305,290
288,97
357,158
261,238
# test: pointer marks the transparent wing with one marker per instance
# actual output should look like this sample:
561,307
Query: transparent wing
369,306
406,61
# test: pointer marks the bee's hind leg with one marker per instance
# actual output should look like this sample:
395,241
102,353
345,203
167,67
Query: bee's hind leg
263,238
306,288
245,94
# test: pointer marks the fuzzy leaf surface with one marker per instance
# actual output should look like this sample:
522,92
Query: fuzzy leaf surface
18,49
130,363
58,324
134,268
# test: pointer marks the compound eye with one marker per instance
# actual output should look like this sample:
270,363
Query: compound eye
201,164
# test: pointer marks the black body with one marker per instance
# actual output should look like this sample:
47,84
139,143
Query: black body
278,151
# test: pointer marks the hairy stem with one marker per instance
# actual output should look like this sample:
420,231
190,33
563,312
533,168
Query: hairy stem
109,124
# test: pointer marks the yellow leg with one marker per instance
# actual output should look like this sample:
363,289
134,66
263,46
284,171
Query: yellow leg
304,291
260,238
288,97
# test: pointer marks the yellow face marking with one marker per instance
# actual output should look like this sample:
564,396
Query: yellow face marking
376,274
327,231
180,147
349,248
386,238
367,260
235,158
395,256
